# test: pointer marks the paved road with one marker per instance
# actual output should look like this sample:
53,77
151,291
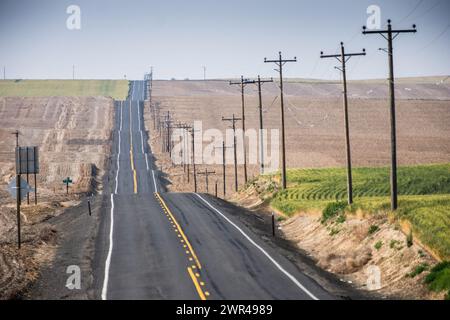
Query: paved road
157,245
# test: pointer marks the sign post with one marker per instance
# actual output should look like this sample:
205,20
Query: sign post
27,161
67,181
18,198
18,188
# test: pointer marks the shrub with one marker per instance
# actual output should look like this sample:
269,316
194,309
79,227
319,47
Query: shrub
418,270
333,209
409,239
341,218
334,231
378,245
393,244
373,228
439,277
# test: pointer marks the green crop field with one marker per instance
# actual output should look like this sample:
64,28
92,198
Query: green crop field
117,89
424,196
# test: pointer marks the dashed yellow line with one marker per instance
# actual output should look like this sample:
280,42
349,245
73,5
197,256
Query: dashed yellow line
195,276
132,158
196,284
134,171
180,231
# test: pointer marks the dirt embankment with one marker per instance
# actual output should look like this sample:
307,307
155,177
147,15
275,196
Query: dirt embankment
356,248
73,136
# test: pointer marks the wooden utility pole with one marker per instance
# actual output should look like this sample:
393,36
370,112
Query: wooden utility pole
280,62
389,34
206,173
233,124
18,186
35,180
223,147
343,58
185,150
242,84
193,159
259,82
18,196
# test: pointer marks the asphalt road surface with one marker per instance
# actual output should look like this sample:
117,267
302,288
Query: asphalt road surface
158,245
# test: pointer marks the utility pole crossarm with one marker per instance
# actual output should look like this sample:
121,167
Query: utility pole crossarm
414,30
241,82
230,119
347,55
277,61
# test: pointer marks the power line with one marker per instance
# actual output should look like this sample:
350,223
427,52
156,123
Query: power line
412,11
426,12
440,35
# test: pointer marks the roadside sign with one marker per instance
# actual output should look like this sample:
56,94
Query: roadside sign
67,181
27,160
25,188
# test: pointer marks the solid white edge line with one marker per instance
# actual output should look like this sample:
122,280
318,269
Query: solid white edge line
291,277
118,154
118,168
146,162
139,116
108,258
142,142
121,111
154,180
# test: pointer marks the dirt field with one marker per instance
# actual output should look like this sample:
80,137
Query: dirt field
73,135
314,120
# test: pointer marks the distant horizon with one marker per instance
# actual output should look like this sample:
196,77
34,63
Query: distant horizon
223,79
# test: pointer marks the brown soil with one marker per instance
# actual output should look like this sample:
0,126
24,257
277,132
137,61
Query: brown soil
314,122
73,136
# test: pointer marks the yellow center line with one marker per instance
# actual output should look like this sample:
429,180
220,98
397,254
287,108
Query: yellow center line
179,229
132,158
196,284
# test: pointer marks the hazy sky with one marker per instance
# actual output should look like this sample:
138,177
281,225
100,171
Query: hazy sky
229,37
